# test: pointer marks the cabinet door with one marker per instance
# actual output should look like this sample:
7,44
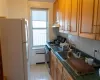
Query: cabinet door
59,70
67,16
55,11
54,71
97,19
51,67
66,75
61,14
87,18
59,74
74,17
64,78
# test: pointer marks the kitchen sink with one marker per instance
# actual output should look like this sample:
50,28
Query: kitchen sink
78,65
62,55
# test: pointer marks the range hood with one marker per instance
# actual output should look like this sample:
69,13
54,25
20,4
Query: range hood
56,25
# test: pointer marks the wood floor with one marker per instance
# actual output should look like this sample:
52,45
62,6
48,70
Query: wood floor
40,72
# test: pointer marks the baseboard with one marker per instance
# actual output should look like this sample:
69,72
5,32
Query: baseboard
40,63
40,53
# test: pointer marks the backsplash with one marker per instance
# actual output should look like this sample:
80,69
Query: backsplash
83,44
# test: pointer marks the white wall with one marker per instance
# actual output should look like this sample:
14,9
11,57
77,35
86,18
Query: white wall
17,8
43,0
32,4
3,8
84,44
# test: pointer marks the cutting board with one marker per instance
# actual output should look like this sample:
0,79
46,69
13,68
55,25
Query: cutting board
79,66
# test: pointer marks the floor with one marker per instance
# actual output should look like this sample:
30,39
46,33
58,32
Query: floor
40,72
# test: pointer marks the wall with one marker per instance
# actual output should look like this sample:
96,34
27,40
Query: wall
84,44
33,4
3,8
17,9
43,0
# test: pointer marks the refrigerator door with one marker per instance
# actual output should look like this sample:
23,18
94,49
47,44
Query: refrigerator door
26,61
11,45
25,30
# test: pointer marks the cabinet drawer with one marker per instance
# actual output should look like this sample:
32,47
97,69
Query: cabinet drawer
66,74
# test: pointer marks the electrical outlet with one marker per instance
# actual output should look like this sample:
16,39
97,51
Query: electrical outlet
95,50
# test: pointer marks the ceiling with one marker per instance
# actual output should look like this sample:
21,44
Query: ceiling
43,0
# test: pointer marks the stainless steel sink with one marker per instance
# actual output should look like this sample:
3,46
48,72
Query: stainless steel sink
62,55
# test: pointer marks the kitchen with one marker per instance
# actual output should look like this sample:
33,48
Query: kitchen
78,22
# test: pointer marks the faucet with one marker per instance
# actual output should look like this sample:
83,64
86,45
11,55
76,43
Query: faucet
72,45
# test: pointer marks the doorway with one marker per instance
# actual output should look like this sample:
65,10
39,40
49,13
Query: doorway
39,32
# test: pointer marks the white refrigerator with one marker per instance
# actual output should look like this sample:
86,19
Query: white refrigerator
14,47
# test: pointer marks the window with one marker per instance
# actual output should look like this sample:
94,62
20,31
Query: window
39,27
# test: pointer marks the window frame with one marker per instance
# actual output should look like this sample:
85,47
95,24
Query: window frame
40,28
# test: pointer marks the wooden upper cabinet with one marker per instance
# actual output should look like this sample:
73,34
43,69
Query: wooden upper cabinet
55,11
79,17
87,19
97,19
67,16
74,17
61,14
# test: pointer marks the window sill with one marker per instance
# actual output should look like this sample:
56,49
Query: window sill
40,47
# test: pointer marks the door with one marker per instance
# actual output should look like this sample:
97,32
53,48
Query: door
67,16
87,18
74,17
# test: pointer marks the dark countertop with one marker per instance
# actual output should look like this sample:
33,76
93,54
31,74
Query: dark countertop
93,76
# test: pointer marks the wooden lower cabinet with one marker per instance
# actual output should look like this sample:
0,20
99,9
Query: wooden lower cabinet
57,71
66,75
53,65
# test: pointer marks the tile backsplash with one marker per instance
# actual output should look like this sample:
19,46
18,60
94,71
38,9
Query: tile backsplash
84,44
